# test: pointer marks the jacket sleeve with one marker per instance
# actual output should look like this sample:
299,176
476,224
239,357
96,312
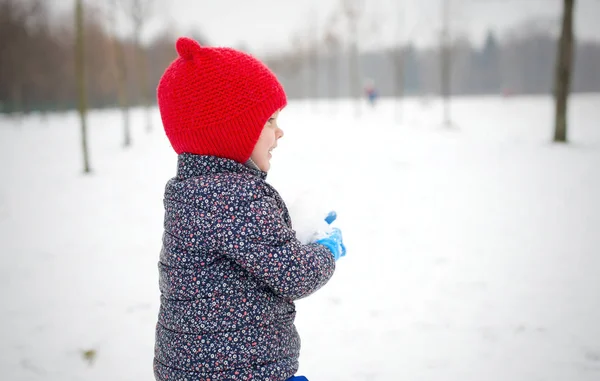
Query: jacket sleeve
255,235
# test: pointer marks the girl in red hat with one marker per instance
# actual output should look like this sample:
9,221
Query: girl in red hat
231,266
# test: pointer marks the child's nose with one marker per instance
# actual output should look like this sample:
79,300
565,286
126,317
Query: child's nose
279,133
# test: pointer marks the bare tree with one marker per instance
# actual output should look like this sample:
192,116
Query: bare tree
332,43
313,57
397,56
17,19
11,52
139,11
305,55
352,10
562,79
81,83
445,62
120,76
297,65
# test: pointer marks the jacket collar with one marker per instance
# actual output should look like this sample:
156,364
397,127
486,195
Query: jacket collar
190,165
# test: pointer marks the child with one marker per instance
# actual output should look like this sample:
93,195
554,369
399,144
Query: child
231,266
371,92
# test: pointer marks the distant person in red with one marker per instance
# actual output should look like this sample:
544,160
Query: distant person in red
371,93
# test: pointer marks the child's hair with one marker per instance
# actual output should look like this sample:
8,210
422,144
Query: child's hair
216,101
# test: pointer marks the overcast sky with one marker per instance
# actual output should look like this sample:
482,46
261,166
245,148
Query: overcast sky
269,25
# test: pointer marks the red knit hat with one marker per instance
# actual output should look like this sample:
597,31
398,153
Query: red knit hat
216,101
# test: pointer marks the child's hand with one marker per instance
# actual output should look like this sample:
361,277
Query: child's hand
333,241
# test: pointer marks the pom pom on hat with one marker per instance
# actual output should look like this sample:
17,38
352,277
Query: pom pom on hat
216,101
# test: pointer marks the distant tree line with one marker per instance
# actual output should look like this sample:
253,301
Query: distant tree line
37,65
37,60
522,64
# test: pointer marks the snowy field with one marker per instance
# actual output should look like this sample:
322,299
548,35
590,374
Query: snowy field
473,252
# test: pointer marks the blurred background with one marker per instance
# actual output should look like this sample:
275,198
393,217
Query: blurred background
458,141
319,49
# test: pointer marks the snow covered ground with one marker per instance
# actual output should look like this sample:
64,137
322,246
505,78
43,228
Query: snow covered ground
473,252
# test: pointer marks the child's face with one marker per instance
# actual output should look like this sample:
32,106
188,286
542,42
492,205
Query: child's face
267,141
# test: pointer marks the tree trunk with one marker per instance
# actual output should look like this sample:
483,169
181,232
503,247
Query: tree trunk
16,106
121,78
144,88
314,60
142,68
354,70
122,89
562,79
334,71
81,86
315,76
445,65
399,81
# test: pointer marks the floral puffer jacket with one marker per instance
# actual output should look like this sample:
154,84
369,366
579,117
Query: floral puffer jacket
230,270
